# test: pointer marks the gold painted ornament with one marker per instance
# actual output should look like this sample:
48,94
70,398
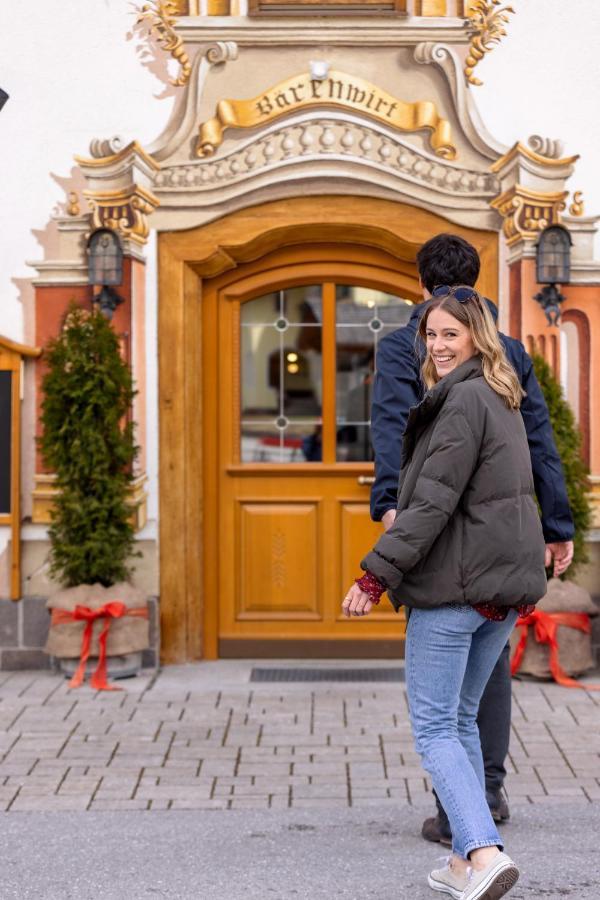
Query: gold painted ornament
488,30
160,15
577,206
337,90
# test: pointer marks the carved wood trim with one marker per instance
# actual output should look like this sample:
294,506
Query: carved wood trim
188,350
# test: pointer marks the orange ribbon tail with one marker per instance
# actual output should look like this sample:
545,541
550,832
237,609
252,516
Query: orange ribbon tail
545,626
113,610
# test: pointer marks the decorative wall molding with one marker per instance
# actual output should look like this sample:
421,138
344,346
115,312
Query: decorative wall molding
69,265
184,120
324,138
221,52
119,191
125,211
532,193
445,58
316,153
553,166
526,212
103,147
487,24
551,148
338,31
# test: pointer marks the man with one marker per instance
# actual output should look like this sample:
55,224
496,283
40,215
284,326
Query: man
445,260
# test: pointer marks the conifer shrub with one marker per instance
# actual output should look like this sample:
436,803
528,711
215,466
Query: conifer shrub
568,443
89,443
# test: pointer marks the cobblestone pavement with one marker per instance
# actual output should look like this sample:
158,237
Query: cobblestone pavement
204,737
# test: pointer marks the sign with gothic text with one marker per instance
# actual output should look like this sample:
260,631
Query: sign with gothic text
338,90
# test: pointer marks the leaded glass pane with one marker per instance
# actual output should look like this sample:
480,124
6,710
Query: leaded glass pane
281,376
363,317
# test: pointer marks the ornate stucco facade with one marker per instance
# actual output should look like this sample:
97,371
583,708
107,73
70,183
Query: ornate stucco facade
293,135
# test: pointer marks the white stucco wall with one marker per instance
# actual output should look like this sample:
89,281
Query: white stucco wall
74,77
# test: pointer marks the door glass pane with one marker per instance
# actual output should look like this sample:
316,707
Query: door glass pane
363,317
281,376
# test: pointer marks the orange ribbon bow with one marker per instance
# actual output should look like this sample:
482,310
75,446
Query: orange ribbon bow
110,611
545,626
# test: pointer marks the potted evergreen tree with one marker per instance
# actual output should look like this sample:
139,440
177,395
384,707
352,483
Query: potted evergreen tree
88,441
562,644
568,443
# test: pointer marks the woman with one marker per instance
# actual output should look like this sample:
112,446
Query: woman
466,555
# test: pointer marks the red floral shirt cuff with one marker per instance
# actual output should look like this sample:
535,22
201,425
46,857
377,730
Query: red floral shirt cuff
371,586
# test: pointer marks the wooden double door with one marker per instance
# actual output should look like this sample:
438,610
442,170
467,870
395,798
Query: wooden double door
290,345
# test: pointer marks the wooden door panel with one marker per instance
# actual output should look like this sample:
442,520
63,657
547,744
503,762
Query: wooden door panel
296,529
358,534
277,566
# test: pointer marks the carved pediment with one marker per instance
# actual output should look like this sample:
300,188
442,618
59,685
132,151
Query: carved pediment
315,148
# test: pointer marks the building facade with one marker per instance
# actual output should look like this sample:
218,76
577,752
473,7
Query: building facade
312,149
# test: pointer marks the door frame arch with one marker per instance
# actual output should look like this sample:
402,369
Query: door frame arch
246,247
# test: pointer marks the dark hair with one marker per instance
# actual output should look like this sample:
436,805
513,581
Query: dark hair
447,259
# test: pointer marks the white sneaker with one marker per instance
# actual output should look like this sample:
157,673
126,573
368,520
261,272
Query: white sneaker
447,881
492,882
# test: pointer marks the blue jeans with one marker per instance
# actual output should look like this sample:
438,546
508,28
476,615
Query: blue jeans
450,654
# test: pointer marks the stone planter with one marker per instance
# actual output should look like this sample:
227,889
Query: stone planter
125,666
126,638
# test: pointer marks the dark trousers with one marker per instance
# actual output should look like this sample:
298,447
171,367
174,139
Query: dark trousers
493,722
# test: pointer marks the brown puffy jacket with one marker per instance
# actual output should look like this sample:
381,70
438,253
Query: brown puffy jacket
467,527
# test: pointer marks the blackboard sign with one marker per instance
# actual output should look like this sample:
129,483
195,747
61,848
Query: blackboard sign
5,441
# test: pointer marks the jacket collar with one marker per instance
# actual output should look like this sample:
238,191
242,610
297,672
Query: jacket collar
435,398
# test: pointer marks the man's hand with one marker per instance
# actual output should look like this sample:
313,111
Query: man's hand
562,554
388,519
356,603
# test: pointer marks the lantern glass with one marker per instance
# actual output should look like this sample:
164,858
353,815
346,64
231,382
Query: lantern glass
105,262
553,260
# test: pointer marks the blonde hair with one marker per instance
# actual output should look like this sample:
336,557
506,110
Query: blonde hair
475,315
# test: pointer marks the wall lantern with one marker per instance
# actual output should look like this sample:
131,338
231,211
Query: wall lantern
105,267
553,266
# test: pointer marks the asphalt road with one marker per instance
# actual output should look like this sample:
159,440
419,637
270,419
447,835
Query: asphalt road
313,854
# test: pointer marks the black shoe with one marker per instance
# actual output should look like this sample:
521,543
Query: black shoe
498,805
434,830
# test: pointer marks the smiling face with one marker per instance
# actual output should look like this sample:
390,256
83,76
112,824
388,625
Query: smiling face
449,342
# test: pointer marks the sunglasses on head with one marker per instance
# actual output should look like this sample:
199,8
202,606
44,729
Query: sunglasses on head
459,292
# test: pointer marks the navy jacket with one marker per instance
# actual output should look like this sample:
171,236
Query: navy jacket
398,386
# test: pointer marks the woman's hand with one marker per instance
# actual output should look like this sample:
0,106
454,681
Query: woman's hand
356,603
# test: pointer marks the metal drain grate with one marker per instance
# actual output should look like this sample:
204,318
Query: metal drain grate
326,674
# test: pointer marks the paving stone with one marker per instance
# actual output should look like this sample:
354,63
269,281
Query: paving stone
185,743
124,804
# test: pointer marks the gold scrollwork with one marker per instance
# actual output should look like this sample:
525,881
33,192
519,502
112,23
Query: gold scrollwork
487,23
577,206
160,14
526,212
124,211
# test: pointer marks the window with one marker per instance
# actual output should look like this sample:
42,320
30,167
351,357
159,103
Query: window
325,7
307,366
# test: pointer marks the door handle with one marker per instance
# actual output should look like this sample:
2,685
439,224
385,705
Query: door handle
366,479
